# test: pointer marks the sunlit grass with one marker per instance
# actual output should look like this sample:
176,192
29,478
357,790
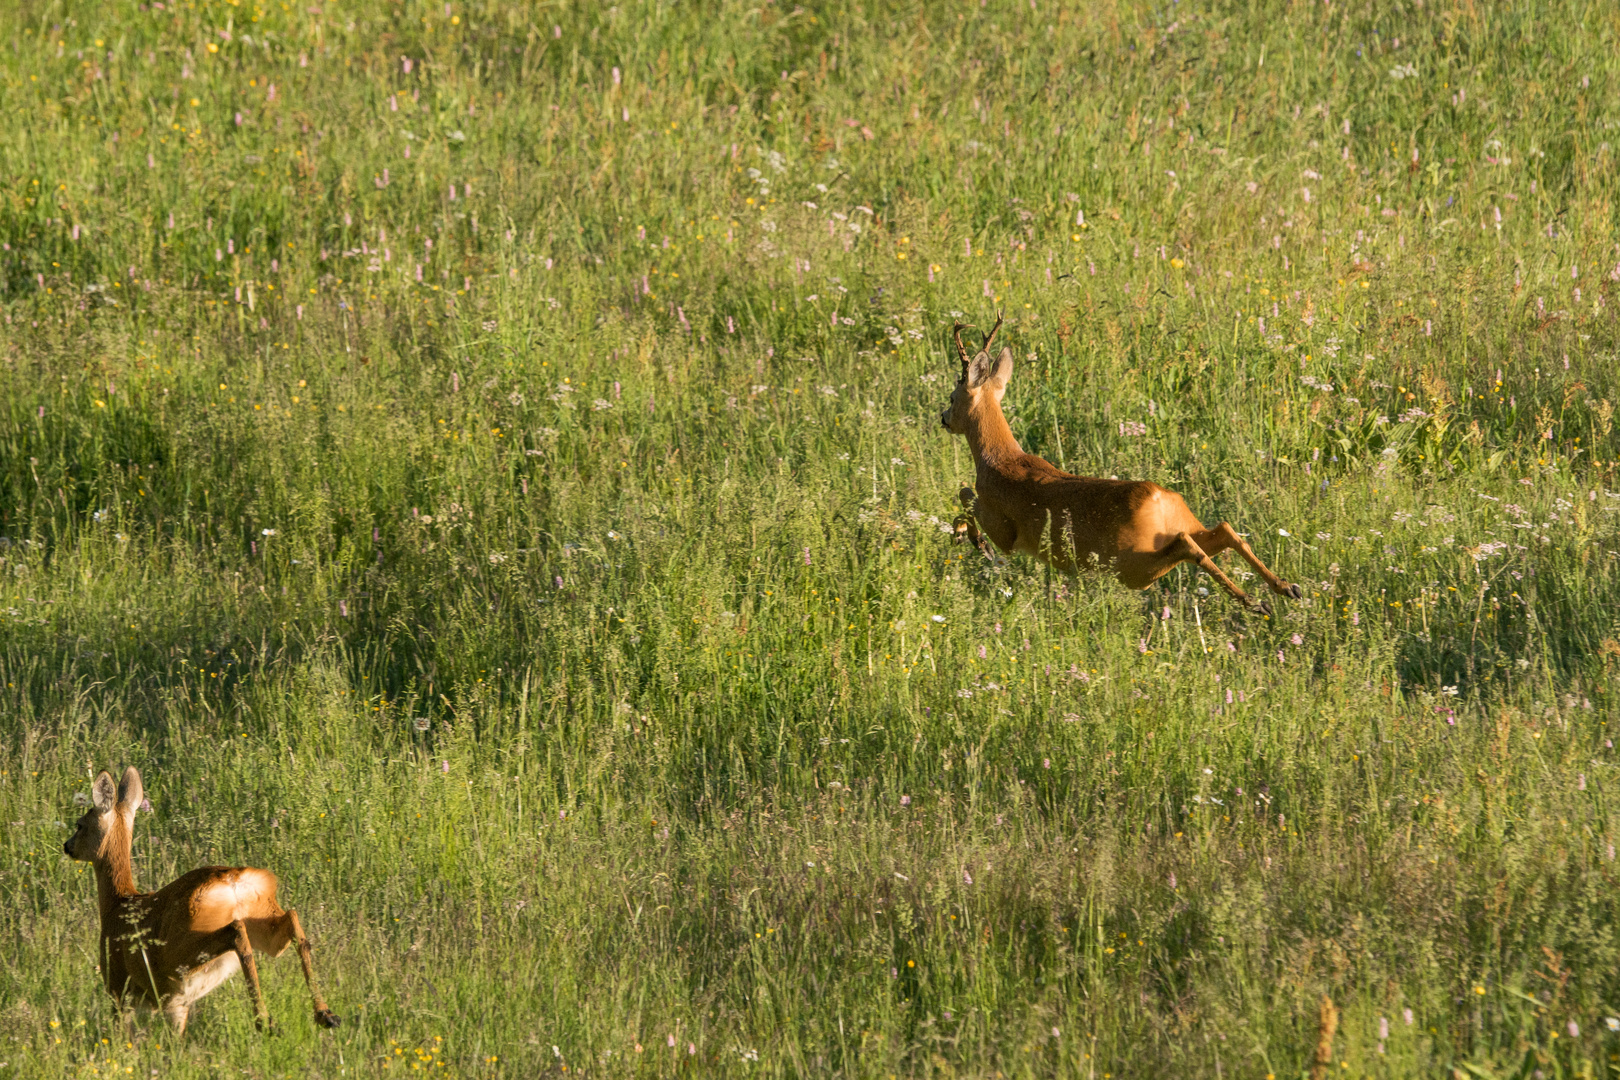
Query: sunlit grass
482,462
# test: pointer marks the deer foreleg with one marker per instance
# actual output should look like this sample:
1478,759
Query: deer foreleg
967,528
966,525
324,1016
176,1012
1223,538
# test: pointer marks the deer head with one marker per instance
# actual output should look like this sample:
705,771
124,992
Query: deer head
982,381
112,810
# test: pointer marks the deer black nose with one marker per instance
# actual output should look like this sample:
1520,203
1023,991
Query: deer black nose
67,848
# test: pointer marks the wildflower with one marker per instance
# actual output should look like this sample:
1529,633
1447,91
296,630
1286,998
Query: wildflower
1046,763
444,766
905,800
1406,1014
421,723
1171,880
1574,1030
967,879
670,1041
1056,1034
1297,640
80,799
936,618
1612,1023
1383,1027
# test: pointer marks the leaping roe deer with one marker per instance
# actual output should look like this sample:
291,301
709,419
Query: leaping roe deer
166,949
1135,528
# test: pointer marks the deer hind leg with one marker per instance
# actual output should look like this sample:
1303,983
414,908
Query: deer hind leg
250,972
324,1016
1223,538
1139,570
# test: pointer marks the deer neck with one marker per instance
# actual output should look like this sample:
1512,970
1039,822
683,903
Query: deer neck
989,436
115,871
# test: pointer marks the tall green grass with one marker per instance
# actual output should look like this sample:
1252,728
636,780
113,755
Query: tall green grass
482,462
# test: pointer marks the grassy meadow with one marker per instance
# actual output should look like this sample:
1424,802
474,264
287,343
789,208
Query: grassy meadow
481,461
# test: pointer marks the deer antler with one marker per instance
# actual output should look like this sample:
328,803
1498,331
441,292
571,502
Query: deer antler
961,350
992,335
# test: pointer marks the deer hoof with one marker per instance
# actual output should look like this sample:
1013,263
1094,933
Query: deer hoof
1260,607
326,1018
1294,592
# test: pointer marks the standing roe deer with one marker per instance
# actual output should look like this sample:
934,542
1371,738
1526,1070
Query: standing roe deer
165,950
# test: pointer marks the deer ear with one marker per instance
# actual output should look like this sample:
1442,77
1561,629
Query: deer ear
103,795
130,790
1003,370
978,370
